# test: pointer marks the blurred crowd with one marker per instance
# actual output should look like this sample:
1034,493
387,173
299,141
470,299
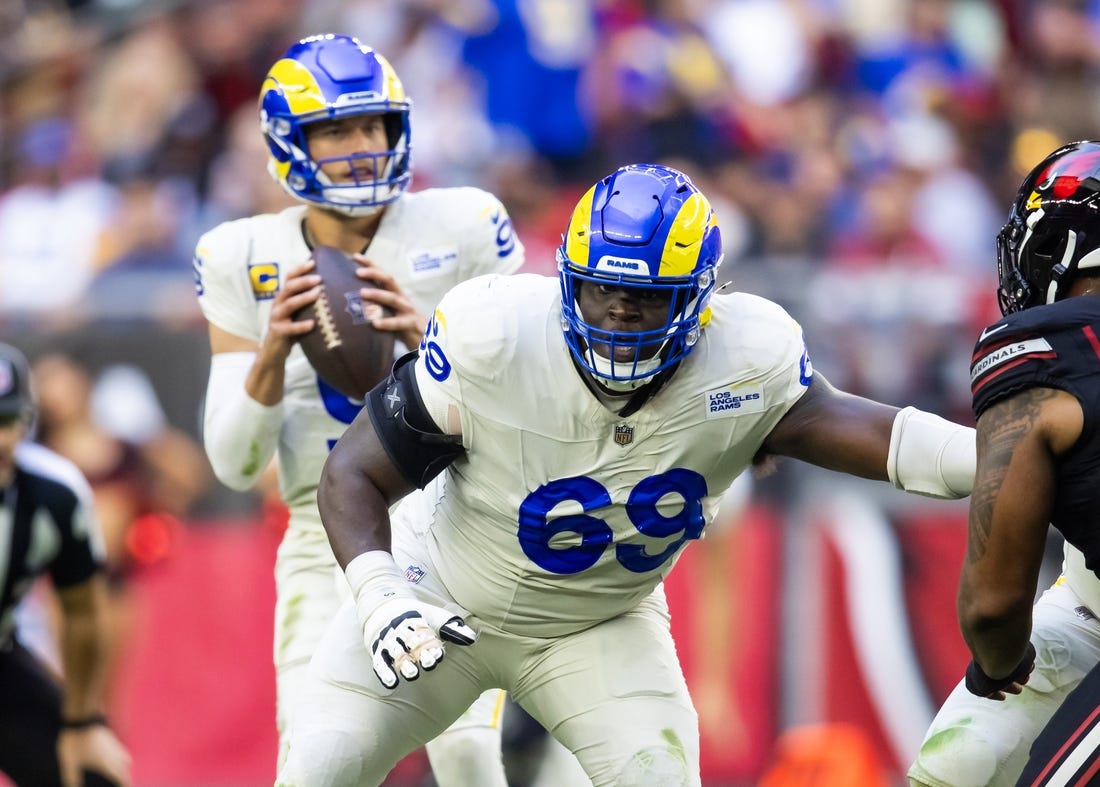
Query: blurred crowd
861,153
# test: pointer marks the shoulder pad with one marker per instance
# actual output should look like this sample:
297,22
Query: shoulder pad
1030,348
762,330
475,326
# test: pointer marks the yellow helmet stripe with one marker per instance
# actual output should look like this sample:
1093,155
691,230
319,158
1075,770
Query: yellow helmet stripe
281,168
303,94
395,91
682,246
577,239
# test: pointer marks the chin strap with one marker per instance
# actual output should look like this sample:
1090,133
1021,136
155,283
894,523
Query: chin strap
638,398
648,391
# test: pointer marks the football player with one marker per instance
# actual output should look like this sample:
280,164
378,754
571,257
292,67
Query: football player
587,425
336,120
1035,379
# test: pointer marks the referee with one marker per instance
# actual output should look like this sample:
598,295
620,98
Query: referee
50,734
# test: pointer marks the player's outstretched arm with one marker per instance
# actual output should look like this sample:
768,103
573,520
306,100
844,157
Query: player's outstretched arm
914,450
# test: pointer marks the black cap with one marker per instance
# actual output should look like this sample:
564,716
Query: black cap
15,383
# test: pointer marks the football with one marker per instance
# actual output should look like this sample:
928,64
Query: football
343,347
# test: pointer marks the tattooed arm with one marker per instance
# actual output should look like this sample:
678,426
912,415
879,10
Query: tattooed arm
1019,440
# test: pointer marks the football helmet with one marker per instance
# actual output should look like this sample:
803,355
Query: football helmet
644,227
333,76
1053,229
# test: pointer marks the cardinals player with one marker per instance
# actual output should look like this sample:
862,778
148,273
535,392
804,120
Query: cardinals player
1035,378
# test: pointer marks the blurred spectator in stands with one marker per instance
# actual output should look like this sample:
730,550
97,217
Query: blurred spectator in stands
656,89
111,465
51,225
231,45
951,207
144,474
767,47
913,56
144,108
514,45
125,404
882,233
786,189
239,183
114,430
145,273
1052,82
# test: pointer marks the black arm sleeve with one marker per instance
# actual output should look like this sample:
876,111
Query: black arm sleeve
415,445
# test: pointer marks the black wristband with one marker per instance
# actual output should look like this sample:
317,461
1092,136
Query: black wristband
977,682
92,720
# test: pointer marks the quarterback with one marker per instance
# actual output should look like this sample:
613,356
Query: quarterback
586,426
336,120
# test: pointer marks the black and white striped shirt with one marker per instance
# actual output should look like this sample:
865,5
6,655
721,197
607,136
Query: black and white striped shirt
47,524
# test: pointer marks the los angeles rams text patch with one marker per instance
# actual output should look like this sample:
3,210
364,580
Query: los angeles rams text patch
723,402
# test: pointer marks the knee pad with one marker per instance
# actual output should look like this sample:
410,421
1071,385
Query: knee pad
467,756
961,756
329,759
656,766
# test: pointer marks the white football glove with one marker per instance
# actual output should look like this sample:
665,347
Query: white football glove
404,635
401,635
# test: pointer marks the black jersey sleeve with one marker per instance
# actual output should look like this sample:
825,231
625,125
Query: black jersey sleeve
1053,346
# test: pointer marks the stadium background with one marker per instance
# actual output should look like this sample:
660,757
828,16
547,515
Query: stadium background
861,155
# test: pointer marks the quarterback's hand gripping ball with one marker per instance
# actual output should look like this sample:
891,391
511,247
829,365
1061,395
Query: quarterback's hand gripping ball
406,636
344,348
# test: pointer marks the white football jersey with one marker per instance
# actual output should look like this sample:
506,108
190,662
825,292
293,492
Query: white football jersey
429,240
561,513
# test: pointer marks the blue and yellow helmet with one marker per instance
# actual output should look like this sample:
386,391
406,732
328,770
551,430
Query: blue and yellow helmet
322,78
647,227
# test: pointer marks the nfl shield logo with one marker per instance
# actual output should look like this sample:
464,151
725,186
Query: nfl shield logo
624,435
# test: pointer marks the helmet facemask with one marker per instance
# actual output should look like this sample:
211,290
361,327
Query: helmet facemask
648,352
645,230
383,179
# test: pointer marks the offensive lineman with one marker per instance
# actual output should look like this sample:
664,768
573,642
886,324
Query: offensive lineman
336,120
588,425
1035,378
